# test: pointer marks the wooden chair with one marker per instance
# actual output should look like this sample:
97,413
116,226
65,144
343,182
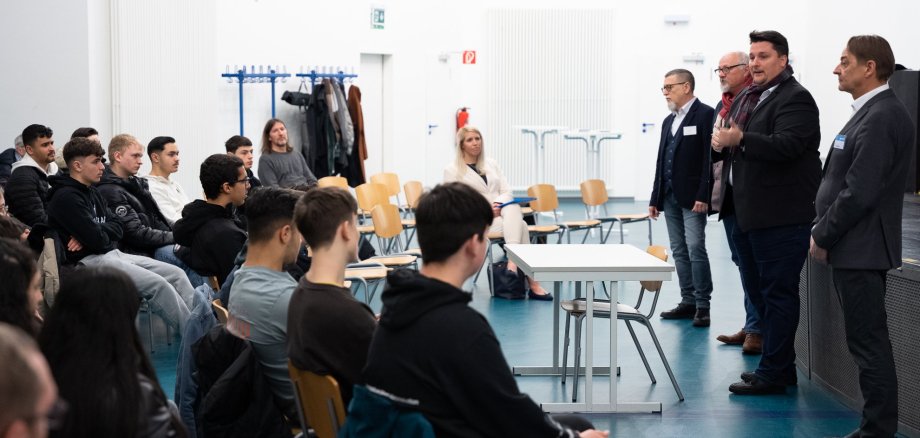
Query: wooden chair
579,307
368,195
222,314
413,190
594,196
333,181
548,201
366,273
319,401
388,228
391,182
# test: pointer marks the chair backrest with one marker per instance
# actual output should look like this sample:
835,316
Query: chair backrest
662,253
593,192
387,223
333,181
319,400
390,180
222,314
369,195
413,191
547,200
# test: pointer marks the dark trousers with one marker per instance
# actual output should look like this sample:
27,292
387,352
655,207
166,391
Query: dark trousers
751,319
862,297
771,262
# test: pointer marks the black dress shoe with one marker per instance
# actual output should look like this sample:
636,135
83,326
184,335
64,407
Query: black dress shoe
701,318
545,297
682,311
756,387
789,381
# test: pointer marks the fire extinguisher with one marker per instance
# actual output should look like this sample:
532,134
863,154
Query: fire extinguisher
463,117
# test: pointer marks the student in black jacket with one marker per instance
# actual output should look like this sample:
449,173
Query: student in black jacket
209,232
432,347
77,211
27,188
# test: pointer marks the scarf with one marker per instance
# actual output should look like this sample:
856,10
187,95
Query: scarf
728,98
748,98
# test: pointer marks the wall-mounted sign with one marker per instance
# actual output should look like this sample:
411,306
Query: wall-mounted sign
378,17
469,56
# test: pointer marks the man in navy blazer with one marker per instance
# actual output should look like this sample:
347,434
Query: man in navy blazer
774,169
858,227
682,190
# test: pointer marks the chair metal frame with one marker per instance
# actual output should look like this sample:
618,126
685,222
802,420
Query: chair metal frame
548,201
594,196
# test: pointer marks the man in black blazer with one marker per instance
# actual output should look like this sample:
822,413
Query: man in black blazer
858,228
774,170
682,190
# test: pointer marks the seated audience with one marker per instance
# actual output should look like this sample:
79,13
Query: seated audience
329,331
262,288
242,148
20,290
430,346
9,157
29,404
164,161
210,234
79,214
86,132
279,165
472,168
109,384
27,188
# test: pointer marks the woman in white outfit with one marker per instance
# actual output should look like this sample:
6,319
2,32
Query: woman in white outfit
473,168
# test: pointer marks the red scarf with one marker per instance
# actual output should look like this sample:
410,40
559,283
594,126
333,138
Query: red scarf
728,98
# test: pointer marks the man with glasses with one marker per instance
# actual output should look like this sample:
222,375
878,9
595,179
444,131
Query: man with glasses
682,189
774,169
210,234
734,76
9,157
29,404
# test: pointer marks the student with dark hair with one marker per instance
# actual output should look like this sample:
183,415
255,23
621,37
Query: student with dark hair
87,132
262,289
27,188
329,331
431,347
278,164
164,161
29,403
242,148
20,291
77,210
209,232
110,385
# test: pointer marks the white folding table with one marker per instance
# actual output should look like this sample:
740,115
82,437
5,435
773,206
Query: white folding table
590,264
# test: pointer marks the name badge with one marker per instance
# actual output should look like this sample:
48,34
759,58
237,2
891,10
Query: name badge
839,141
689,130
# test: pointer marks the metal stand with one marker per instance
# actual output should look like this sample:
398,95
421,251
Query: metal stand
242,76
539,137
592,141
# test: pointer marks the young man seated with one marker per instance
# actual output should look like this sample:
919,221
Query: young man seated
164,161
210,234
27,188
329,331
432,347
80,215
242,148
262,288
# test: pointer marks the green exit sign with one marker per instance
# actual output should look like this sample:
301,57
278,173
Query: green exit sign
378,17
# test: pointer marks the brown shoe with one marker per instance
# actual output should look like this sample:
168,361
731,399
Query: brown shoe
753,344
735,339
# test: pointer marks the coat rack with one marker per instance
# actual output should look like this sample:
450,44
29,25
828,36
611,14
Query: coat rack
318,73
243,76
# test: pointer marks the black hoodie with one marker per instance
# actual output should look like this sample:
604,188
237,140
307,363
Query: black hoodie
145,228
432,347
79,211
210,236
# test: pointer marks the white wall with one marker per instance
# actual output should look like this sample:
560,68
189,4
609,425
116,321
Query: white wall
61,77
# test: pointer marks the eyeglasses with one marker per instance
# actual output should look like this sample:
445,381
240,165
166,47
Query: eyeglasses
725,70
243,180
667,88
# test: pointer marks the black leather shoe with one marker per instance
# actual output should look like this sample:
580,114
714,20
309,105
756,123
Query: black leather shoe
791,381
701,319
545,297
682,311
756,387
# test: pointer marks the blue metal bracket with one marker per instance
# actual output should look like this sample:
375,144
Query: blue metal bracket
243,76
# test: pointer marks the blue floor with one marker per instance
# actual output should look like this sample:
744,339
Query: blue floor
703,367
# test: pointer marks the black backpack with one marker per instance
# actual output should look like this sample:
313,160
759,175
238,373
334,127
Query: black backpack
507,284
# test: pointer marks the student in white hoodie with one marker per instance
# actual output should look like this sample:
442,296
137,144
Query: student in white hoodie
164,161
27,189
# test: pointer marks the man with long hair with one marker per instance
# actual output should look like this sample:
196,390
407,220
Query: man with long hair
279,166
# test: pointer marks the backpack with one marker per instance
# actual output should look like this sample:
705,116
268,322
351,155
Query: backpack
507,284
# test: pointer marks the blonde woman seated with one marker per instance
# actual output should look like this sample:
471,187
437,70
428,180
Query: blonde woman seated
473,169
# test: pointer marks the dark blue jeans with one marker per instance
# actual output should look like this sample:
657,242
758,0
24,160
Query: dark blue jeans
687,233
752,319
771,261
